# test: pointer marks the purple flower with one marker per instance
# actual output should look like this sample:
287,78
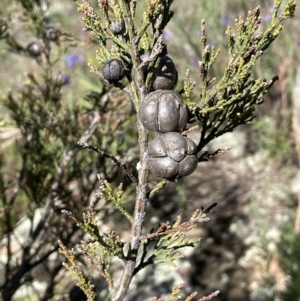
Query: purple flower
198,32
64,79
225,20
167,35
268,16
73,59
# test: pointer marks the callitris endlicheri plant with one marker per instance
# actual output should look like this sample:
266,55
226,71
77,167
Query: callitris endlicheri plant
133,57
44,112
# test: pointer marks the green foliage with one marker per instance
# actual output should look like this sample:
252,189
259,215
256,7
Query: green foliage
168,238
100,249
42,119
176,291
232,100
276,140
222,106
85,285
56,126
289,260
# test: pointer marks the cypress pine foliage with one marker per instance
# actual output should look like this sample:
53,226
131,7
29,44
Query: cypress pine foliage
65,148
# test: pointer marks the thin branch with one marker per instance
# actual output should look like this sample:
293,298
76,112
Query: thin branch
139,213
107,155
207,155
157,187
165,228
214,294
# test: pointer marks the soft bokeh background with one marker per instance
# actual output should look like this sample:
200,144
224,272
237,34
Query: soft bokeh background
249,250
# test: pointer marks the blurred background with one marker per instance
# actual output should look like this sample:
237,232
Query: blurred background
250,248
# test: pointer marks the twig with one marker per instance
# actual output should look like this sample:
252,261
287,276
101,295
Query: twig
156,51
214,294
209,208
107,155
158,187
193,128
207,155
163,229
166,227
139,213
